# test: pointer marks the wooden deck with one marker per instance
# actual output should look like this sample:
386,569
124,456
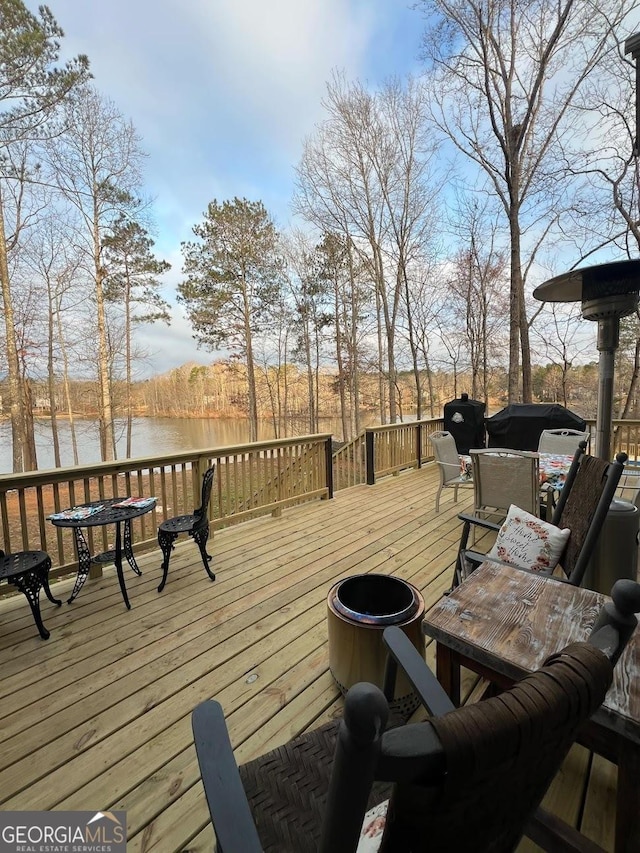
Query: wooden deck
98,717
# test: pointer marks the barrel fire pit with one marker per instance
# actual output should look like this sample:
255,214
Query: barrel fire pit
359,608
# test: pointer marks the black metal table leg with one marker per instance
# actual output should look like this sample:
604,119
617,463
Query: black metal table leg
165,541
84,563
30,583
201,536
118,562
128,550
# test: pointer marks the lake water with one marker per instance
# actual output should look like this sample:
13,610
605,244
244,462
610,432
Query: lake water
150,437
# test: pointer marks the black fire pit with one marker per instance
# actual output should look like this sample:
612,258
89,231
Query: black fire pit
359,608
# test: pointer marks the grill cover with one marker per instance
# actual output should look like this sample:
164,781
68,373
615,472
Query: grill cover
519,425
464,419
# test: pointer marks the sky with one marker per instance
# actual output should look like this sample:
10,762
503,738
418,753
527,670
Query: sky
223,94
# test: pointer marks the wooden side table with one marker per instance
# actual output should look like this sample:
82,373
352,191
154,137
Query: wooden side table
502,623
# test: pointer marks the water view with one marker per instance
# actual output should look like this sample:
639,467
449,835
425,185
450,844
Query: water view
151,437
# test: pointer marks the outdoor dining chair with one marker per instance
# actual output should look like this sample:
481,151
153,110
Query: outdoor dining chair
196,524
568,541
629,486
502,477
28,571
446,455
469,779
561,441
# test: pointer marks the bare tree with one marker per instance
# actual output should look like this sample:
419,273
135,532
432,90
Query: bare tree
341,272
423,302
365,175
272,350
308,293
477,289
606,213
53,263
506,74
96,165
411,192
31,89
133,281
561,340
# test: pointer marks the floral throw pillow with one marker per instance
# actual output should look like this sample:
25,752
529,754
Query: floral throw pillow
528,542
373,829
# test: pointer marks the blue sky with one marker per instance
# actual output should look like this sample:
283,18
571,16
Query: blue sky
223,93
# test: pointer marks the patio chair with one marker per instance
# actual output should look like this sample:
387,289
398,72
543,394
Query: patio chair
446,455
196,524
629,486
28,571
502,477
568,541
465,780
561,441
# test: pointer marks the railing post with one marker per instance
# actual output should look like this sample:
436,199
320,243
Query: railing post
369,438
197,471
419,444
328,455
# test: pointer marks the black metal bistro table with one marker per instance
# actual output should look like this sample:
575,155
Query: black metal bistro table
110,513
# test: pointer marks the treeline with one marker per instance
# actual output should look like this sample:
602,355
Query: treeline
428,209
220,390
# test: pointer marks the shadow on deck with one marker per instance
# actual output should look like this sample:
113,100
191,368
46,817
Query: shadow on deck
98,717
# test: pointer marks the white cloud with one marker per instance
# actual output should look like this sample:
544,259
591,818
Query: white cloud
223,93
167,347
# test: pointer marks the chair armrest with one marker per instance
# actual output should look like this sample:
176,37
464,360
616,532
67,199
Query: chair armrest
617,621
480,522
477,557
228,804
455,466
402,652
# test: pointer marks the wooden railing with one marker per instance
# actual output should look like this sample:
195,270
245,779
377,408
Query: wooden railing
625,437
251,479
383,450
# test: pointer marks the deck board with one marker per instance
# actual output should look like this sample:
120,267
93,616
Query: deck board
98,717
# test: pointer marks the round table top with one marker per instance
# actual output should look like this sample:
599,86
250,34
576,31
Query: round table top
22,562
109,514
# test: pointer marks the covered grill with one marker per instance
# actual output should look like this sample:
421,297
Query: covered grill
464,419
519,425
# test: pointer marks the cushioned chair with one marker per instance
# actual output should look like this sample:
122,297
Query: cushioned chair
446,455
196,524
466,780
561,441
581,510
28,571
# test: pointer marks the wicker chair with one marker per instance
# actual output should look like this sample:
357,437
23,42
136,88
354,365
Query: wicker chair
196,524
446,455
466,780
28,571
582,508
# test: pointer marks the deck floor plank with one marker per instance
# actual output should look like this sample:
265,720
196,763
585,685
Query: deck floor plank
98,717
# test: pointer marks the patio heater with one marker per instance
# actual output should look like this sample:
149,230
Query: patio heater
607,292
